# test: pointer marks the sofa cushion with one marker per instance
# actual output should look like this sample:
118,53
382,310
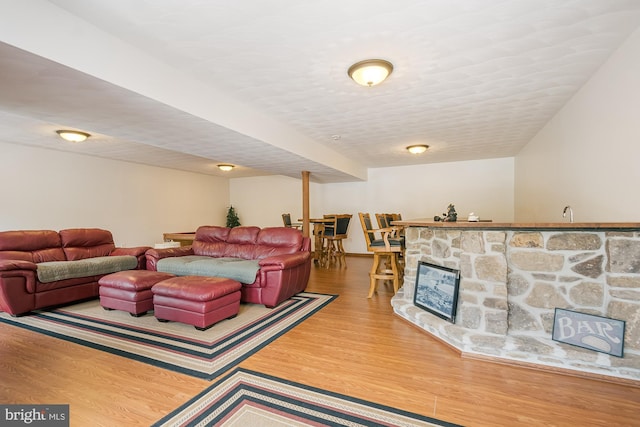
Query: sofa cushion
241,242
31,245
237,242
61,270
274,241
242,270
210,240
82,243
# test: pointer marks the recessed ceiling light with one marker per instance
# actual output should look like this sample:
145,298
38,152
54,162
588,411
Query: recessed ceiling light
225,167
417,149
73,135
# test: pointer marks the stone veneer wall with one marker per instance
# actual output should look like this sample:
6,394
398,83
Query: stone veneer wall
511,282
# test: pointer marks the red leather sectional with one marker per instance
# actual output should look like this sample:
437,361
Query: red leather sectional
21,289
284,258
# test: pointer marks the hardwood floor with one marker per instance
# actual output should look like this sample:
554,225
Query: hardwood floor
354,346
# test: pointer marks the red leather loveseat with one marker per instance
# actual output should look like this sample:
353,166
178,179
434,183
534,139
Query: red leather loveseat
43,268
273,263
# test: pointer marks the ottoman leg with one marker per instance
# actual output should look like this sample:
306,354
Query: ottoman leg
138,314
163,320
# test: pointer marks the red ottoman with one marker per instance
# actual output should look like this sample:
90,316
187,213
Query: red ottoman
196,300
130,290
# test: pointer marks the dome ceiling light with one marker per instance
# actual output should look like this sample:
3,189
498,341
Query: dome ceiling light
370,72
417,149
73,135
225,167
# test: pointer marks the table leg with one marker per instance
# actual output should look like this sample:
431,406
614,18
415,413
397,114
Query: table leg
319,245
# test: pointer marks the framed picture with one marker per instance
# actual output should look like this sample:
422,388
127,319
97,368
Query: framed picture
436,290
589,331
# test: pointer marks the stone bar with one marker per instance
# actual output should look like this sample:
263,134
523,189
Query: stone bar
513,276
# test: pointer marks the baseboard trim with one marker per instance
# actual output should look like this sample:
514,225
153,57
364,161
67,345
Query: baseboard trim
367,255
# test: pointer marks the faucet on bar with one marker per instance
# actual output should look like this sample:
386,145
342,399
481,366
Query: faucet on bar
564,213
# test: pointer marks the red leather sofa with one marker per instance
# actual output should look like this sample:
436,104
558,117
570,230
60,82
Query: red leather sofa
283,258
43,268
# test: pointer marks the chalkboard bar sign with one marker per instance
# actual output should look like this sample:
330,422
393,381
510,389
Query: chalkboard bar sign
589,331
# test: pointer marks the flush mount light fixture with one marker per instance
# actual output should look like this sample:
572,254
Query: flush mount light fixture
225,167
417,149
370,72
73,135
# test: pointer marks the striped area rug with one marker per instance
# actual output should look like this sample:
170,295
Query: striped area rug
175,346
248,398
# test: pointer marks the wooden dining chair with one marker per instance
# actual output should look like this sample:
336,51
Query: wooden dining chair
286,219
333,235
386,248
384,219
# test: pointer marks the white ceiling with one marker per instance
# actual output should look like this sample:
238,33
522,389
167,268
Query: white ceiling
262,84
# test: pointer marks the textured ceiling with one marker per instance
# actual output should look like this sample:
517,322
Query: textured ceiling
474,79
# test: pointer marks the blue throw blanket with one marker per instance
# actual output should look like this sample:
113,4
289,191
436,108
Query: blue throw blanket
242,270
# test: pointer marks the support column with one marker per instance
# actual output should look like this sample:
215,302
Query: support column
305,203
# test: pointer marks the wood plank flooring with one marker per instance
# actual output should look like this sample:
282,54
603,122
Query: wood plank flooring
354,346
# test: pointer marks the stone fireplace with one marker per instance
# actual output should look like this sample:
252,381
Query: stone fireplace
512,279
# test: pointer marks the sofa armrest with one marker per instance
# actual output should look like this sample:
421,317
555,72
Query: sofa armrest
14,264
137,251
282,262
155,255
17,286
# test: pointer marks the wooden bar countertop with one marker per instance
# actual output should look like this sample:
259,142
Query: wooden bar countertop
488,225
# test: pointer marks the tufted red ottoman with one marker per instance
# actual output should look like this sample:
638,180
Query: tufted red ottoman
130,290
196,300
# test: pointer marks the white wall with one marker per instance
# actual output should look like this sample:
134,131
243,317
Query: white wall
483,186
262,200
588,155
47,189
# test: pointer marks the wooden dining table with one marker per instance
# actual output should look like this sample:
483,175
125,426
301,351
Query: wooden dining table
318,227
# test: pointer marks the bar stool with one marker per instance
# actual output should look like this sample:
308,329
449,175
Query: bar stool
386,254
333,235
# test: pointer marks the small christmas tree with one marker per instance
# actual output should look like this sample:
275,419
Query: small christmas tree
232,218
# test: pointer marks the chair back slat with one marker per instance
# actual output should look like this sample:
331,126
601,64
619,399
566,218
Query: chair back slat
385,219
342,224
286,219
382,220
365,221
339,226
